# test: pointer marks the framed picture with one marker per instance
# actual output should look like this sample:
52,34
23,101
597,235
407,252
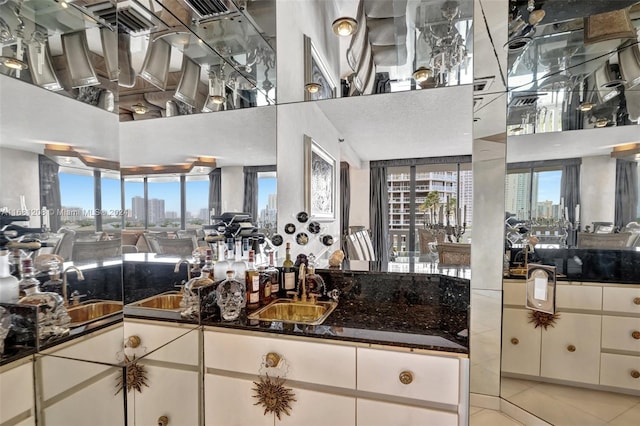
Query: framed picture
316,71
319,181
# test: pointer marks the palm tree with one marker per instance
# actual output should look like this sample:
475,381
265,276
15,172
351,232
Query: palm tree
430,204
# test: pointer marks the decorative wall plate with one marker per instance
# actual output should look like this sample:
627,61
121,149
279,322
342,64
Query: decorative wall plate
289,228
302,217
327,240
277,240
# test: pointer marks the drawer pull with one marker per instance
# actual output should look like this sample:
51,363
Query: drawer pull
571,348
635,374
636,300
636,335
133,342
163,421
272,360
514,341
406,377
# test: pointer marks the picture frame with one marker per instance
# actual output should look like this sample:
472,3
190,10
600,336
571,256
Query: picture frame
316,71
319,181
541,288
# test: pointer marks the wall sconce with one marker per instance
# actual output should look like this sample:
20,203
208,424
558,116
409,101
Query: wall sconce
139,109
422,74
344,26
312,87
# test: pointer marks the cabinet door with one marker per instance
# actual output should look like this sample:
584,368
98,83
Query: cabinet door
311,409
621,371
172,392
571,349
16,388
520,343
230,402
376,413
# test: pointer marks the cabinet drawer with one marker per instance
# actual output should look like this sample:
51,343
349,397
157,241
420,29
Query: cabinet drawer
620,299
621,333
618,370
333,365
514,293
579,297
376,413
434,378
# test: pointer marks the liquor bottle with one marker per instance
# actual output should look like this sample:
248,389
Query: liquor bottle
223,264
54,283
190,302
230,297
207,269
239,265
9,287
288,271
265,285
315,283
252,281
274,277
53,319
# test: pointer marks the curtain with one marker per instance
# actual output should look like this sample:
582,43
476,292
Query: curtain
626,192
379,213
50,190
570,191
215,186
345,199
250,200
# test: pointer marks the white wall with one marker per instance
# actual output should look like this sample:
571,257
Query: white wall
359,209
232,192
19,172
294,19
597,189
294,122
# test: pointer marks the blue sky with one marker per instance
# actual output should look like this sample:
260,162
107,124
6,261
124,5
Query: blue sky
77,191
549,186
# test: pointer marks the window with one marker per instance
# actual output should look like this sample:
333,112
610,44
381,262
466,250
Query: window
134,203
267,202
77,209
197,195
534,194
110,201
163,202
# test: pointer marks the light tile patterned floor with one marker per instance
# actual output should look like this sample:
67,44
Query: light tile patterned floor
486,417
570,406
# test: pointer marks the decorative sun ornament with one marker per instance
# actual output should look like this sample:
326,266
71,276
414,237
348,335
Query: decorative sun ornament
273,396
136,376
543,319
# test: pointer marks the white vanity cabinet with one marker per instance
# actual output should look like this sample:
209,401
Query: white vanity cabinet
172,363
72,376
594,341
334,383
16,387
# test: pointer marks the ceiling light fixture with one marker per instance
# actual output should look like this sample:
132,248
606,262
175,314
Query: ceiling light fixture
13,63
344,26
602,122
217,99
139,108
422,74
312,87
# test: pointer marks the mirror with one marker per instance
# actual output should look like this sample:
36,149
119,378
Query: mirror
571,86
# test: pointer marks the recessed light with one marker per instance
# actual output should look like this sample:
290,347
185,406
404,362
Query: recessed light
585,106
217,99
344,26
312,87
139,108
422,74
13,63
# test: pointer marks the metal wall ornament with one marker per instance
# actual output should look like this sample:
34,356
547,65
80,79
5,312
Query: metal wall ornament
543,319
134,376
270,390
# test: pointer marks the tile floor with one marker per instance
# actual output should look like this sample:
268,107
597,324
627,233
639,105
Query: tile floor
564,405
486,417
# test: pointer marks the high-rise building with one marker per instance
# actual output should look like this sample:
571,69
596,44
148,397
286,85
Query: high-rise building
156,211
137,208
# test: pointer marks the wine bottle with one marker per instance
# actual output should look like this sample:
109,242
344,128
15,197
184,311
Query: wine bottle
252,280
288,271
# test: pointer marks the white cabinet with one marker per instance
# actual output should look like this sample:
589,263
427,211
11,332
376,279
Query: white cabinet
569,350
621,371
338,384
622,299
520,343
16,388
621,333
377,413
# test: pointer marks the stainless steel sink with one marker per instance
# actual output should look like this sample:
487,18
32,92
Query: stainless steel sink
287,310
166,301
92,310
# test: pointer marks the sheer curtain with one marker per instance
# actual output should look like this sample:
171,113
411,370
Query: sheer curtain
250,200
345,199
215,186
379,212
50,189
626,192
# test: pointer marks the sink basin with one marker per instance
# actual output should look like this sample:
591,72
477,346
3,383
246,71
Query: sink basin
286,310
165,301
92,310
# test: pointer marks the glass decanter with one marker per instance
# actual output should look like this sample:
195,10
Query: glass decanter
314,282
53,319
190,302
230,296
54,283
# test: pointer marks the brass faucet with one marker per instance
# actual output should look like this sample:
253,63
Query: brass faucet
177,268
64,282
303,274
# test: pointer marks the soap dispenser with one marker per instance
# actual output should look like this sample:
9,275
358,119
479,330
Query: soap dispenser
9,288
